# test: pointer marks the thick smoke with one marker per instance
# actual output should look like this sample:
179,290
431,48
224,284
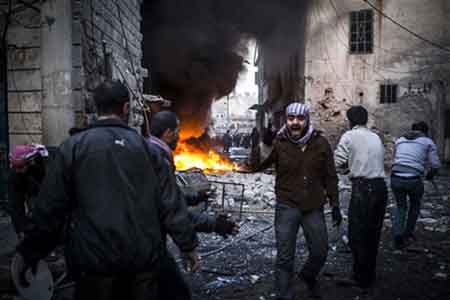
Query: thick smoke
195,49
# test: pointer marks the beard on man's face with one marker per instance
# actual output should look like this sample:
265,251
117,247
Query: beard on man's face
296,129
173,144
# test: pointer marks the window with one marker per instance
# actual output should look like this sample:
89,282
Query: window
388,93
361,32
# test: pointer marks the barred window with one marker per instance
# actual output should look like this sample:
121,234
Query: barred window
361,32
388,93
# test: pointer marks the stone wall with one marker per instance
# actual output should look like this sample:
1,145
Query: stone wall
110,37
24,76
420,70
101,28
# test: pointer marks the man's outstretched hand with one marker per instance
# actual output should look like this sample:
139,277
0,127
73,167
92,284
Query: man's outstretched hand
225,226
191,261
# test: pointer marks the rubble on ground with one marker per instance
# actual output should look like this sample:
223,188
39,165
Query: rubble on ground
242,267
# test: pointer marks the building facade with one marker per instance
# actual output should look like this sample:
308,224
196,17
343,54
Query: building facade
387,55
54,53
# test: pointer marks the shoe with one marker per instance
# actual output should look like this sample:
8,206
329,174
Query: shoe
367,293
312,285
409,239
347,282
399,242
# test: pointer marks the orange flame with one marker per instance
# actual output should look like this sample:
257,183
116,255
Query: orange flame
188,156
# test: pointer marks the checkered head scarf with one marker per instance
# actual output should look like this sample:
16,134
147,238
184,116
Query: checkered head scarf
298,109
22,155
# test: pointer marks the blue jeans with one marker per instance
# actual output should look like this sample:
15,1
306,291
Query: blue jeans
405,218
287,223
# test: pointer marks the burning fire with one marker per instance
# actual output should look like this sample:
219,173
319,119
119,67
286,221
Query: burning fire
189,156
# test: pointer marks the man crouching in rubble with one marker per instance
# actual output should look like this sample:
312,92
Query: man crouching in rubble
305,176
164,136
115,195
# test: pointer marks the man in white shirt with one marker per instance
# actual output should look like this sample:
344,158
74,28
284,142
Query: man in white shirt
362,152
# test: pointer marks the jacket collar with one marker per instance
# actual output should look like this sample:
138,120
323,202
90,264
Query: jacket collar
110,122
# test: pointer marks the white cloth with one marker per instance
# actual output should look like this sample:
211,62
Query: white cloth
362,151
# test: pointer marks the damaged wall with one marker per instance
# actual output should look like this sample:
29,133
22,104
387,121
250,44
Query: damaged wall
109,33
24,76
420,70
100,29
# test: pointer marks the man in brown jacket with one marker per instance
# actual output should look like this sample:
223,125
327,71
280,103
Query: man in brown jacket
305,178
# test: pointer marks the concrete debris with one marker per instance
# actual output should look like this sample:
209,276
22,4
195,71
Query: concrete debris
254,278
427,221
223,281
425,213
440,275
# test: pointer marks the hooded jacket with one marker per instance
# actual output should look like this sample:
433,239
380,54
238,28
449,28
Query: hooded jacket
414,152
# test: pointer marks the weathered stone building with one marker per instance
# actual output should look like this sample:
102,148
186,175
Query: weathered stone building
54,53
386,55
356,54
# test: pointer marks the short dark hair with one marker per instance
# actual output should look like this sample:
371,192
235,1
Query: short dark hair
420,126
161,121
357,115
110,96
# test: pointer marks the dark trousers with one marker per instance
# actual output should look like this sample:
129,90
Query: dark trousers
171,283
366,215
287,223
141,286
405,189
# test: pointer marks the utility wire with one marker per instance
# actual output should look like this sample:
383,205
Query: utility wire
407,29
385,69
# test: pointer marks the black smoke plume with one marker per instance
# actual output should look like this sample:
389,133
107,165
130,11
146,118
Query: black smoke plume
194,49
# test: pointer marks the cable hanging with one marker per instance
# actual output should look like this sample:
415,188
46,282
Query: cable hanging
407,29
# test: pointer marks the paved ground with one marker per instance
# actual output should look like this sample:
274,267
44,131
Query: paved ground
244,270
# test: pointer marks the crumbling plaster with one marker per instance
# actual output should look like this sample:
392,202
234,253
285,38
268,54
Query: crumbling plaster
420,70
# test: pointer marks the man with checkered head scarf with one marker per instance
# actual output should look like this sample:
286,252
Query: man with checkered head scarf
305,179
28,165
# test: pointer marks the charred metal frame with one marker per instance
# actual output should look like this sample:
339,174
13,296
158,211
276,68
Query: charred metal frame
241,198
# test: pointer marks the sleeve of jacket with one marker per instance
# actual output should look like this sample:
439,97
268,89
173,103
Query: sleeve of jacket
342,152
202,221
16,201
331,179
270,160
51,209
433,156
173,209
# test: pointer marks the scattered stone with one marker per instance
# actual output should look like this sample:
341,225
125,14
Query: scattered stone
440,275
427,221
428,205
254,278
442,228
425,213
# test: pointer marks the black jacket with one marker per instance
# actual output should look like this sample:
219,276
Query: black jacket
202,222
115,194
22,188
